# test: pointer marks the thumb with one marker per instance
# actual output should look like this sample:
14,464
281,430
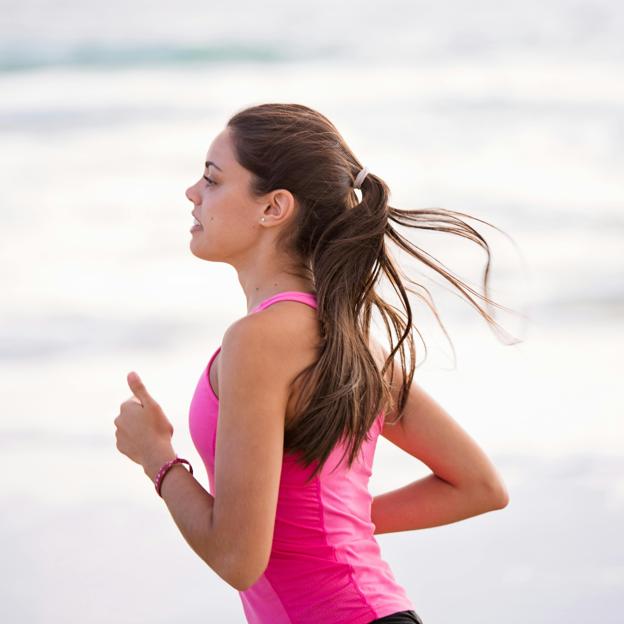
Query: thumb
138,388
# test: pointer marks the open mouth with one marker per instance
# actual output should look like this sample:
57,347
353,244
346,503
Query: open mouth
196,225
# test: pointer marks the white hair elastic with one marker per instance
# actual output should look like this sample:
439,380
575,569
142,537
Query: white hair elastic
360,178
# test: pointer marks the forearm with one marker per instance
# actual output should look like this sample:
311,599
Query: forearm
191,506
429,502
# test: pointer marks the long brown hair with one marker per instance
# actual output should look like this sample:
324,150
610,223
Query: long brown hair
341,244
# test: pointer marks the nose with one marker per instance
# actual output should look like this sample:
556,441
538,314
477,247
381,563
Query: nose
191,194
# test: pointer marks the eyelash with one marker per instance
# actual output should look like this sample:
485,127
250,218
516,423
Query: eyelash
209,180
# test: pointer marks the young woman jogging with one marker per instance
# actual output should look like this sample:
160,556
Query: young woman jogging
287,412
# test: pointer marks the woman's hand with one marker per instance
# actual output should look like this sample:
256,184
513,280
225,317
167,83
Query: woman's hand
143,431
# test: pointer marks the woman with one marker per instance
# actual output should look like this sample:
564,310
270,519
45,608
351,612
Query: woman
301,392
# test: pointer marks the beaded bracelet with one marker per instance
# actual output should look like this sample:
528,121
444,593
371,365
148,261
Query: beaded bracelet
163,471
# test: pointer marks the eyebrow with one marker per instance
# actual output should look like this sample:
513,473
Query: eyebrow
209,162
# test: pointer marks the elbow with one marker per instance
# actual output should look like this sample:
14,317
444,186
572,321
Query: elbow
246,573
504,500
242,560
230,571
243,581
498,495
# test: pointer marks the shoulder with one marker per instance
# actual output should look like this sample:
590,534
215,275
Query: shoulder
275,331
379,353
393,374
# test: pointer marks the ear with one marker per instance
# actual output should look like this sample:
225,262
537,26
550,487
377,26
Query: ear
282,206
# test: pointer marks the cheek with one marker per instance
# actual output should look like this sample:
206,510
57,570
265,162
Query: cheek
227,225
227,212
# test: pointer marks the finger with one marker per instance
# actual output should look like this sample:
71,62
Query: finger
138,388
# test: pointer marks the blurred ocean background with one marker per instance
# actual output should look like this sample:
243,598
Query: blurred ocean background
512,112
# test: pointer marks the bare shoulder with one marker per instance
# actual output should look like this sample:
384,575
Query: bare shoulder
284,336
410,429
288,325
380,354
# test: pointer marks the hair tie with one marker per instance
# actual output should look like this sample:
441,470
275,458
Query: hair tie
360,178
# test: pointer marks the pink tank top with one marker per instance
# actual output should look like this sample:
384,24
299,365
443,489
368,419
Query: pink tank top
325,564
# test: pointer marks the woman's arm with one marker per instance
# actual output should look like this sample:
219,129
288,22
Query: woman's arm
190,506
233,531
430,502
464,481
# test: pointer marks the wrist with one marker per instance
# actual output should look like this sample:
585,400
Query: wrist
156,460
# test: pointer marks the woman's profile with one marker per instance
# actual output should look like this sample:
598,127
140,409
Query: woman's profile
287,412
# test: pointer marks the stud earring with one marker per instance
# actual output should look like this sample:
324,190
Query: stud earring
262,219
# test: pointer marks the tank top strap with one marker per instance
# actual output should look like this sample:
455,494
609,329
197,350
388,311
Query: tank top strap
287,295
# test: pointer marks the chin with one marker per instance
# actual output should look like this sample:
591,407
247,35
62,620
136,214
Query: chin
200,251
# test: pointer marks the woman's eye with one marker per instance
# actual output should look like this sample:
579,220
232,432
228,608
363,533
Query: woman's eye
210,180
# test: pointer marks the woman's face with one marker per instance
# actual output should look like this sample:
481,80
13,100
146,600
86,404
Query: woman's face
229,215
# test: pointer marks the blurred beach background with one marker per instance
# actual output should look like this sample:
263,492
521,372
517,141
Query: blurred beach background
512,112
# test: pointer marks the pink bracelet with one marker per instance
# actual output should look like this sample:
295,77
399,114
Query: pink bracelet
163,471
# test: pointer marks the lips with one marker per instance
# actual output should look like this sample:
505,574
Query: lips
193,213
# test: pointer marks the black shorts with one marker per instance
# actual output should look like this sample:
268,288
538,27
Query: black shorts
400,617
